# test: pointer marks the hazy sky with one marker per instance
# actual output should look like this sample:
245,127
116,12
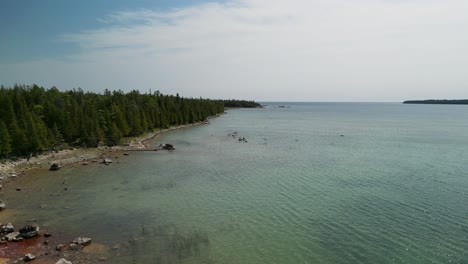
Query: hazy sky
267,50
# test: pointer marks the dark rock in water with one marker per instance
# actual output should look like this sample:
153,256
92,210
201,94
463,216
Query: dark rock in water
47,234
29,257
29,231
82,241
18,189
6,228
55,167
107,161
168,147
126,154
2,205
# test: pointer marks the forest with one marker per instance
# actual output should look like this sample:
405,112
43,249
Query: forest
34,119
435,101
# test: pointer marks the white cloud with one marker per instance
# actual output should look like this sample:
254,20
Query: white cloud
307,50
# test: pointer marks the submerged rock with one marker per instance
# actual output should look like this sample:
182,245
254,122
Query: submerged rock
55,167
2,205
82,241
168,147
29,231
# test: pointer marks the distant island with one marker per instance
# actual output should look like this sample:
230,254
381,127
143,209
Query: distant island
436,101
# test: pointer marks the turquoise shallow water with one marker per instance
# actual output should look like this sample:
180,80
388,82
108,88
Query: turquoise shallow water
315,183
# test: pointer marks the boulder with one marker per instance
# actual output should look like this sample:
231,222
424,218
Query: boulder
73,246
61,247
168,147
29,231
13,236
55,167
6,228
2,205
82,241
63,261
107,161
29,257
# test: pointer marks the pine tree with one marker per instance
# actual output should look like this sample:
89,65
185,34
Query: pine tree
5,140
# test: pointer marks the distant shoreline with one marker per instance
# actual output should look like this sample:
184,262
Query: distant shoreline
437,101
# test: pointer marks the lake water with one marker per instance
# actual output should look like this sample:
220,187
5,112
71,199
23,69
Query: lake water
315,183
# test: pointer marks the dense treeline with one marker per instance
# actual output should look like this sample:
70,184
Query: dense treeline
34,119
434,101
240,103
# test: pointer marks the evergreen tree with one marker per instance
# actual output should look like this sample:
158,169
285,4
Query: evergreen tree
33,119
5,140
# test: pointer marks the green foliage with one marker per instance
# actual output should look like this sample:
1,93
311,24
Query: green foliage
5,140
240,103
34,119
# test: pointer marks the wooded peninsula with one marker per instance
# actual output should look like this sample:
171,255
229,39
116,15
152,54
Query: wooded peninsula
34,119
434,101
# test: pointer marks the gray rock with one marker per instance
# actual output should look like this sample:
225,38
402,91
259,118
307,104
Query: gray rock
73,246
61,247
29,257
82,241
2,205
29,231
55,167
13,236
6,228
63,261
107,161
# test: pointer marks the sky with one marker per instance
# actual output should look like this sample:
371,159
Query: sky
264,50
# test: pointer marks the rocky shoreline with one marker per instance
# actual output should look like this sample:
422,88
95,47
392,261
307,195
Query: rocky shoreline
17,246
9,170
